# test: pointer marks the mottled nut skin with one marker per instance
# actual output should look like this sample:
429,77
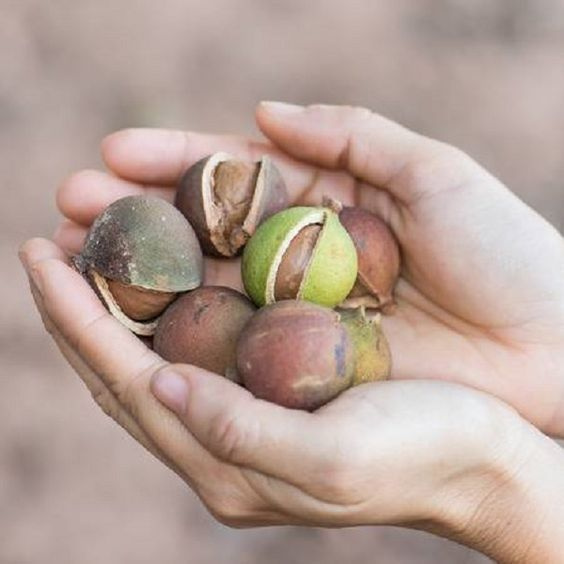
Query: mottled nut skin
202,328
139,253
373,360
378,259
295,354
143,241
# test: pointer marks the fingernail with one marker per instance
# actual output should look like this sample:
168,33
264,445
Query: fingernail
32,271
281,108
171,389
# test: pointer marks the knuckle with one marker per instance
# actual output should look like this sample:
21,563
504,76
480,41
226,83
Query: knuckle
358,114
227,511
49,325
69,184
438,166
349,114
229,436
340,478
337,482
105,400
445,152
129,391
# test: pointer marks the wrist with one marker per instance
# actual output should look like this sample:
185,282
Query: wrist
510,505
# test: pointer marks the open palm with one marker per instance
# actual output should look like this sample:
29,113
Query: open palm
480,299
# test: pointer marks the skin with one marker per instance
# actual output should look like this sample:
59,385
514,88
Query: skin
480,305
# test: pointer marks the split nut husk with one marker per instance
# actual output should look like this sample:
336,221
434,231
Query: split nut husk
140,253
301,253
302,355
202,328
225,199
379,259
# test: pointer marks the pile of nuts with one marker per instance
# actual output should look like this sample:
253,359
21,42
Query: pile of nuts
311,273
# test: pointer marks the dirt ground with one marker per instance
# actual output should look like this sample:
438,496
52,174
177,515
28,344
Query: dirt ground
487,76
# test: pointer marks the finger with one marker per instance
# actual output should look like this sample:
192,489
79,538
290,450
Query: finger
106,345
70,236
223,272
125,366
369,146
37,249
83,196
99,391
80,317
43,250
158,156
238,428
123,362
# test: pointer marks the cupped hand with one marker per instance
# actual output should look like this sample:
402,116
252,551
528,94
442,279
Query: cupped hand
423,454
481,300
415,453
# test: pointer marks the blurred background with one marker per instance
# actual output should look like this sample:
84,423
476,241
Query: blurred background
486,75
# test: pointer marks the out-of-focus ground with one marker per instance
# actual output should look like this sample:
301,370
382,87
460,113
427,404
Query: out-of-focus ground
485,75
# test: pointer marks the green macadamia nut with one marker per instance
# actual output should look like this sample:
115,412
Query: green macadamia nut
300,253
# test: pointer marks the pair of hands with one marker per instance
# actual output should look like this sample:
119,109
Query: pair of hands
480,303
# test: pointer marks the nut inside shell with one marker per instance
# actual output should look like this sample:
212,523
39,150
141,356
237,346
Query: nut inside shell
143,327
137,303
294,263
225,199
300,253
233,186
291,262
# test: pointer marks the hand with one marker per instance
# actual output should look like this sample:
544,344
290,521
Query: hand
481,299
422,454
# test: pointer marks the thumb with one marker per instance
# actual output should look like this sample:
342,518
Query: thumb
233,425
369,146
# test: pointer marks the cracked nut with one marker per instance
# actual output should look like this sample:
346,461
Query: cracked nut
140,253
300,253
378,259
225,199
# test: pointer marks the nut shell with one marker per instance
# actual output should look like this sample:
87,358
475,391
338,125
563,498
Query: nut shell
141,242
373,360
295,354
378,259
202,328
225,199
144,241
329,274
